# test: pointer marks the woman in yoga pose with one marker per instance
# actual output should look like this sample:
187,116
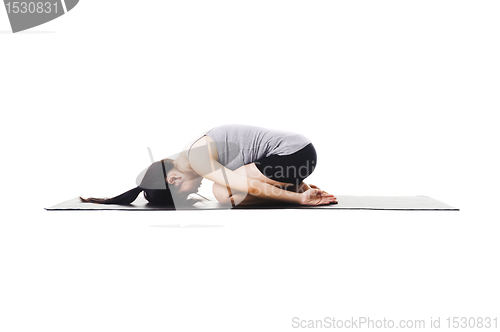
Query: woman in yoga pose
248,165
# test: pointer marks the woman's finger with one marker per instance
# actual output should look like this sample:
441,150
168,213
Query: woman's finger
329,201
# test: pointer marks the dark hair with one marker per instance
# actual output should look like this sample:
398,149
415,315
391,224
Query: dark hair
153,182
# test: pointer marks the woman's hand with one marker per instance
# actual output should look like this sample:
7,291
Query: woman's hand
315,196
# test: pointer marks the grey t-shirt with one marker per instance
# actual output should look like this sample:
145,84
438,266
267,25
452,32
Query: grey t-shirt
239,145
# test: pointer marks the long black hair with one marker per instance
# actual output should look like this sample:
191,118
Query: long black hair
153,182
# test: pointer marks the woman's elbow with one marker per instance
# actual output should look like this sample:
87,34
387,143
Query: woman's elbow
254,189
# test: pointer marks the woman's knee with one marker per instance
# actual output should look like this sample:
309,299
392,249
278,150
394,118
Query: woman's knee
221,193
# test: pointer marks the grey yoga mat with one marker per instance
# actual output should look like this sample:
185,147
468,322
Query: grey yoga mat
344,203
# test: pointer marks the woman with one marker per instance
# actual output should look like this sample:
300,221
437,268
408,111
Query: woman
248,165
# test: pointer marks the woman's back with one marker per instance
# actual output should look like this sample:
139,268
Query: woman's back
239,145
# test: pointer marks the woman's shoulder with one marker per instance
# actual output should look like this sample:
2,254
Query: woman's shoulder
204,145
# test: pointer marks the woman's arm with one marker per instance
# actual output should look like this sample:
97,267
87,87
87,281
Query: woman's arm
240,183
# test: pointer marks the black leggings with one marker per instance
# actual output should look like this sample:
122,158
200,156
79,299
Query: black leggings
293,168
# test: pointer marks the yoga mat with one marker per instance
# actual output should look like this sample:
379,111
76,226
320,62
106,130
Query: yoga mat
344,203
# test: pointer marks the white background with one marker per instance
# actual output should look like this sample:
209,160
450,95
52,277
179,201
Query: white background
398,97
